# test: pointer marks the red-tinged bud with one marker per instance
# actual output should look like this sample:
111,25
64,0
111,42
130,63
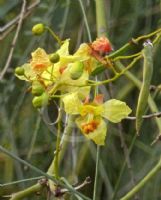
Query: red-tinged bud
101,45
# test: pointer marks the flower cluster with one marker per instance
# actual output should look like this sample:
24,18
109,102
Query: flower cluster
66,75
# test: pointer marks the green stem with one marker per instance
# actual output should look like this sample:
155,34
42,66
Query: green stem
122,169
71,189
65,138
101,18
118,74
20,181
96,173
85,20
56,158
126,57
55,36
27,192
54,167
138,83
141,184
129,44
101,30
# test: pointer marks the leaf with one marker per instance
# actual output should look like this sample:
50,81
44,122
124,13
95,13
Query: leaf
115,110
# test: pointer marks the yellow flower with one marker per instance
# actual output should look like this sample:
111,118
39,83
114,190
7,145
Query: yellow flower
90,119
40,60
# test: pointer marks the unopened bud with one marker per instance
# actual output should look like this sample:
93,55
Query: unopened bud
38,29
76,70
40,101
37,88
19,71
54,57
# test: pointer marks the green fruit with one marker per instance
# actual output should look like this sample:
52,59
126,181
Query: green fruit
76,70
19,71
54,57
37,88
40,101
38,29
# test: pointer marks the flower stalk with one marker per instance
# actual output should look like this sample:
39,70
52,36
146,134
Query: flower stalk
101,30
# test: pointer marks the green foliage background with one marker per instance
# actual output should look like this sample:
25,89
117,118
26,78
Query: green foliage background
20,123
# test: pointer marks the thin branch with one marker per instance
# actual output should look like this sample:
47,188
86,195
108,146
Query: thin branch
14,40
78,187
70,189
11,25
85,20
158,114
20,181
126,154
143,181
17,18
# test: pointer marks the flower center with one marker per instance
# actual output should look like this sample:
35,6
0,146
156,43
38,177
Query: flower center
90,127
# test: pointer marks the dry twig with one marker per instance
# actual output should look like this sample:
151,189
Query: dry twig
14,40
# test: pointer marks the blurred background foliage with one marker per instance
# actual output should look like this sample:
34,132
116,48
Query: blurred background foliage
23,131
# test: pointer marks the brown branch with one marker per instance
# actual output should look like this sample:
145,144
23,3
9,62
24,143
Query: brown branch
16,19
5,30
78,187
14,40
158,114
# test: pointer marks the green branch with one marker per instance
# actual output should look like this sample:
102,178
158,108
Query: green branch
127,46
27,192
70,189
101,30
101,18
145,180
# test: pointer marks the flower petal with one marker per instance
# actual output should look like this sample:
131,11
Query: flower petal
115,110
29,74
98,135
40,60
72,103
64,49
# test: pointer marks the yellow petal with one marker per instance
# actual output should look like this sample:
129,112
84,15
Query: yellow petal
64,49
115,110
29,74
90,109
40,60
71,103
98,135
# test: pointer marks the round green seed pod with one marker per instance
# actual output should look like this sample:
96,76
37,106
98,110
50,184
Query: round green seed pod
19,71
37,88
54,57
40,101
38,29
76,70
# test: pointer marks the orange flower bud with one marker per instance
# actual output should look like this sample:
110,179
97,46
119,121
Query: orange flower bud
101,45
